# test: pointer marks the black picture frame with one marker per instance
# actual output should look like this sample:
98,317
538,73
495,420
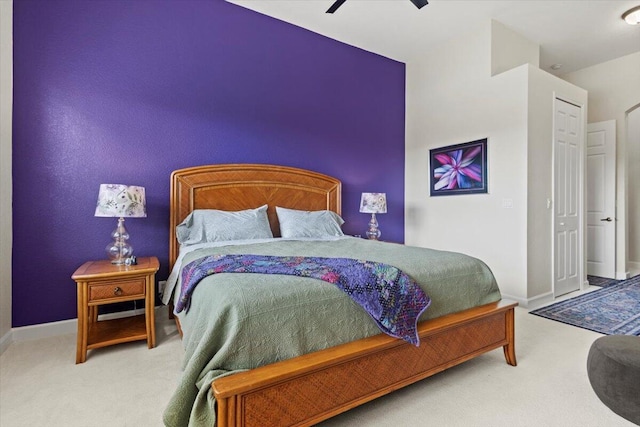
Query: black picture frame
459,169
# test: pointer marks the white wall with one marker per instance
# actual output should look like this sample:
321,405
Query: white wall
543,89
6,100
614,90
510,50
452,98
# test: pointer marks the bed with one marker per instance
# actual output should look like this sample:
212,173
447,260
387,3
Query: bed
305,389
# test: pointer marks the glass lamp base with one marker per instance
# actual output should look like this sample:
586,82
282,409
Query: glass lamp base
373,233
119,250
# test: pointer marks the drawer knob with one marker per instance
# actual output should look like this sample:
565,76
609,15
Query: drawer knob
117,290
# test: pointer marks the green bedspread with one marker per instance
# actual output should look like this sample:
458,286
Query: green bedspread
241,321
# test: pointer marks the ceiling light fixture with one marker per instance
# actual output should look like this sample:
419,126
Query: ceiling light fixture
632,16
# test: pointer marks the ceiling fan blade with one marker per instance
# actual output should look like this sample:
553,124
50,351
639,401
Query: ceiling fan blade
420,3
336,5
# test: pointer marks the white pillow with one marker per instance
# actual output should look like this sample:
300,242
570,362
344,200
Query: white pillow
211,225
295,223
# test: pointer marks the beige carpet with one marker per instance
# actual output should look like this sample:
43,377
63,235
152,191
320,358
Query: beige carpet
129,385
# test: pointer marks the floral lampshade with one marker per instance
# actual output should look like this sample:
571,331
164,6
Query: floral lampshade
373,203
118,200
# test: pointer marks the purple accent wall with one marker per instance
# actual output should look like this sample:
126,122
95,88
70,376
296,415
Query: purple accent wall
127,91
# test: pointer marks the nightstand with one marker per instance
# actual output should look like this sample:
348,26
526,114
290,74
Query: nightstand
100,283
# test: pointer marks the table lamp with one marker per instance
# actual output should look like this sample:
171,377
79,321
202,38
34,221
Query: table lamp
122,201
373,203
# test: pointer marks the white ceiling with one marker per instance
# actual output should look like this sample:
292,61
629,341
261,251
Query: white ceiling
574,33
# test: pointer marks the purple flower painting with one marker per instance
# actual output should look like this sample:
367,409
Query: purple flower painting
459,169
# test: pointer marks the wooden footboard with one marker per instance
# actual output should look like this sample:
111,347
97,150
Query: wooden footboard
311,388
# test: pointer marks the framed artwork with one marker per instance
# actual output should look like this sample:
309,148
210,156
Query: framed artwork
459,169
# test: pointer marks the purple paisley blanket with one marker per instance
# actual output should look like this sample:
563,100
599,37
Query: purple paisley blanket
392,298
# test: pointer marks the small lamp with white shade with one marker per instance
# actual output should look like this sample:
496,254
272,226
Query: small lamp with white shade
121,201
373,203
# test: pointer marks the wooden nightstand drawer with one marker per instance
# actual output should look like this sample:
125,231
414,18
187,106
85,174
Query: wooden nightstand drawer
119,289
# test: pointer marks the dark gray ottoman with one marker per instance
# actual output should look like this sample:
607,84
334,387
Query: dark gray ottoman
613,366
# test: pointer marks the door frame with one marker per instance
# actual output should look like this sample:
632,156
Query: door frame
582,268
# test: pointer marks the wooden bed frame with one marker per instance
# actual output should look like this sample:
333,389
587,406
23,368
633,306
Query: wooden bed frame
308,389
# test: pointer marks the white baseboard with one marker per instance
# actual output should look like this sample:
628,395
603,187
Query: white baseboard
521,302
44,330
529,303
585,285
5,341
52,329
622,275
634,268
547,298
540,300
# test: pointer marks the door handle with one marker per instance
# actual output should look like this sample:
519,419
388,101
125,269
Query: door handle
608,219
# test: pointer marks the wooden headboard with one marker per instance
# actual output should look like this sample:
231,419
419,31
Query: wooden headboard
234,187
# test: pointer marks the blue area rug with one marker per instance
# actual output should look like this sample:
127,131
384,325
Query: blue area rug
613,310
